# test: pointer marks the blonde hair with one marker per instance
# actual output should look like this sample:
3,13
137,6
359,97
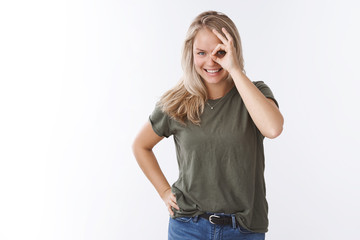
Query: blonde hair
186,101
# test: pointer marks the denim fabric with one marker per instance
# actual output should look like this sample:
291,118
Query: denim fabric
196,228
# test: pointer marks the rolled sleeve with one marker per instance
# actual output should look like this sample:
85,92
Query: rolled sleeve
266,91
160,122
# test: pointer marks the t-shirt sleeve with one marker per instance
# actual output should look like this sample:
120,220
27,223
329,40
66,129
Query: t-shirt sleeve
160,122
265,90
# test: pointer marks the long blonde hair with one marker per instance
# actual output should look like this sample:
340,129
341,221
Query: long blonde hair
186,101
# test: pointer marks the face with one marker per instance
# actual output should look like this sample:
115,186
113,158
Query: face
204,43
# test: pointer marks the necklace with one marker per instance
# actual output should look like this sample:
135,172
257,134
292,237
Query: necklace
212,107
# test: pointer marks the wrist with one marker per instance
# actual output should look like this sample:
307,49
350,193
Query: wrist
163,192
235,71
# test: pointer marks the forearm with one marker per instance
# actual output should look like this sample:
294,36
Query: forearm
149,165
265,115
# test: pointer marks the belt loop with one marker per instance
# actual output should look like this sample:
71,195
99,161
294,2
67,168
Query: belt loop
196,218
233,220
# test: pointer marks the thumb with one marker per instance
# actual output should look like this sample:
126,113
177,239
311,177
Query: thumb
215,59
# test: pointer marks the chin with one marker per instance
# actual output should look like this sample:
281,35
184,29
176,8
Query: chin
214,80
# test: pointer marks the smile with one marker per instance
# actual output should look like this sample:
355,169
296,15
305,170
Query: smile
212,70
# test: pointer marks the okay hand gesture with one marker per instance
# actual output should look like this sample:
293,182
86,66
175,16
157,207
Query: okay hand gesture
229,61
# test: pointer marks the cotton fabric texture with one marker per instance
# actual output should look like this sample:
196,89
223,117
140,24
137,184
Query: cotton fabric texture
221,163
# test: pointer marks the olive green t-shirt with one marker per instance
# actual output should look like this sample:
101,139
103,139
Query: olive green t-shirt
221,162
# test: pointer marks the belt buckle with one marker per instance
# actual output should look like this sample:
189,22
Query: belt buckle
210,218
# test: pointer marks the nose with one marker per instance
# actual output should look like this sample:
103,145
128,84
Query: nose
210,61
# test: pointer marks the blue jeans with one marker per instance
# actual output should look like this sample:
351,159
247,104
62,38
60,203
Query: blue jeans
197,228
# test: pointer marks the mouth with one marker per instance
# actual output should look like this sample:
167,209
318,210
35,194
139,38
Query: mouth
213,70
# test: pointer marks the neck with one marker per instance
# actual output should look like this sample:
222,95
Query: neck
216,91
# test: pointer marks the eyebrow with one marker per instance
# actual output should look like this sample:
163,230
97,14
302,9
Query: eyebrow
199,49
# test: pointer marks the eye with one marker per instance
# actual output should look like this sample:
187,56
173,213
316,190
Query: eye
221,52
201,53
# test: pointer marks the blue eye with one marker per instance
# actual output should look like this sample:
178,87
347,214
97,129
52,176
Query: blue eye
201,53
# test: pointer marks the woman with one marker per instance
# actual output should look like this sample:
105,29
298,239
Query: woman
218,119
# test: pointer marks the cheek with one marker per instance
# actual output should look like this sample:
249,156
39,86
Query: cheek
197,62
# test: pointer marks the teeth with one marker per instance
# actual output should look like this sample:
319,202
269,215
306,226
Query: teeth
212,71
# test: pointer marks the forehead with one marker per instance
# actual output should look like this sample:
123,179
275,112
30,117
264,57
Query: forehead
206,39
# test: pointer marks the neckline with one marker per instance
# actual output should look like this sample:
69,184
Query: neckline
227,94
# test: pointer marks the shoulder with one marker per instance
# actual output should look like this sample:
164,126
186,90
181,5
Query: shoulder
259,84
158,111
160,121
262,86
265,89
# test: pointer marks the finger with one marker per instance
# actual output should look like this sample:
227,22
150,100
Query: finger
171,203
173,197
172,200
170,211
216,59
218,48
174,205
221,37
227,34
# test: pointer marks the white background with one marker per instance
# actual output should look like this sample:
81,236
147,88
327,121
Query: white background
80,78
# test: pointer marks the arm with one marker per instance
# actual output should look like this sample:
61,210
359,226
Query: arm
262,110
142,149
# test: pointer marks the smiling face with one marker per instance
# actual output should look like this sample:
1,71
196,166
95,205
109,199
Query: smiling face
204,43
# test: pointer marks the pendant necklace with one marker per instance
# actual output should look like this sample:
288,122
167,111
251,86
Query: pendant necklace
212,107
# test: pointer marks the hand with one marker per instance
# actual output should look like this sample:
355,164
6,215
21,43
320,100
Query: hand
170,201
229,61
